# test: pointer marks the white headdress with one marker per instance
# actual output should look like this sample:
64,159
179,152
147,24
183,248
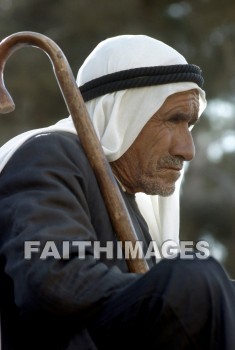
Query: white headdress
119,116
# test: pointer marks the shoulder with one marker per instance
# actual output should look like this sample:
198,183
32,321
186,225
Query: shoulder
49,143
57,155
48,149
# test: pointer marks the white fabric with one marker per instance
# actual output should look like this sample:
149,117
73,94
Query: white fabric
118,117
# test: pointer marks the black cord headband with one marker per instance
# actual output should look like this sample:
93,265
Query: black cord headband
140,77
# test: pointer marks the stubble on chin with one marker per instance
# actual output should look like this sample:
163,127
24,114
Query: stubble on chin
152,187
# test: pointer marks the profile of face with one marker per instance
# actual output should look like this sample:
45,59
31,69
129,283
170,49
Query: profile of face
153,162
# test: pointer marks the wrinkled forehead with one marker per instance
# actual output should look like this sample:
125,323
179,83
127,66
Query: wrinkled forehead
184,98
183,104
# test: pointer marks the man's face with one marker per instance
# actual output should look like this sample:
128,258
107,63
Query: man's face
153,162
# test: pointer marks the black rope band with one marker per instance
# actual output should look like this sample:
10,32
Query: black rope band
140,77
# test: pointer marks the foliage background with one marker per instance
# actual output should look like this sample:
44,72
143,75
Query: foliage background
203,31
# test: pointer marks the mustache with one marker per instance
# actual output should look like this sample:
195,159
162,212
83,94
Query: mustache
171,162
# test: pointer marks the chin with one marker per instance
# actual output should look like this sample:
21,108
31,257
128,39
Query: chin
160,190
167,193
160,186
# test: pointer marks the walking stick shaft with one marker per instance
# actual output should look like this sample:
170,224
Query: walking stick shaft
115,205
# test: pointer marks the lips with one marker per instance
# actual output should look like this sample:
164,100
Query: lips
174,168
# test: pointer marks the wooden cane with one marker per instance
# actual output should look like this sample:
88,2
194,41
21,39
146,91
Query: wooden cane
115,205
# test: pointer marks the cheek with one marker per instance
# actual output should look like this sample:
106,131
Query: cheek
161,145
149,158
151,145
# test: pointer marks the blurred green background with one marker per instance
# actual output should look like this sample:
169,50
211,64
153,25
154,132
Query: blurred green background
203,31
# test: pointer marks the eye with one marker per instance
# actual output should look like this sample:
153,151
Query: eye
183,119
176,119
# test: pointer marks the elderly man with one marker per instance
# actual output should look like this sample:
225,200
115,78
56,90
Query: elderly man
143,99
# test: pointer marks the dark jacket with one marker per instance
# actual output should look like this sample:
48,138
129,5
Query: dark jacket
48,192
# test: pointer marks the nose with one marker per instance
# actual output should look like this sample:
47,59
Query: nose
183,145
